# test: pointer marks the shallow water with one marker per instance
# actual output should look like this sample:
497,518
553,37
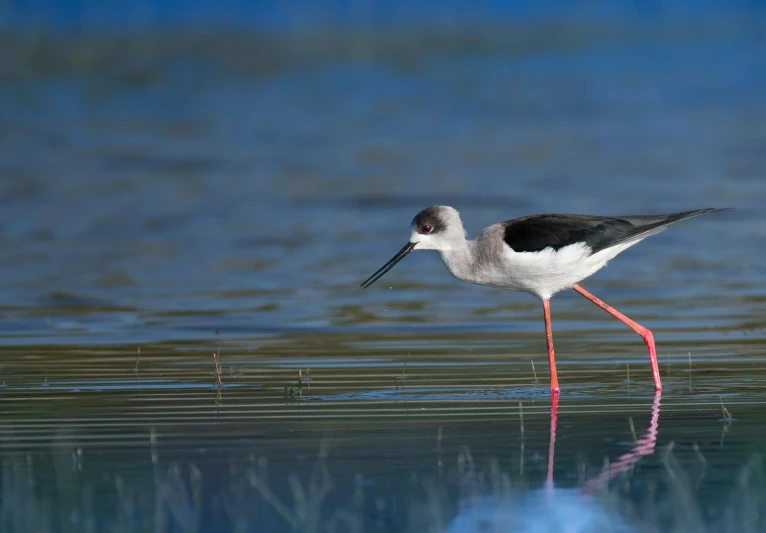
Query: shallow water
211,209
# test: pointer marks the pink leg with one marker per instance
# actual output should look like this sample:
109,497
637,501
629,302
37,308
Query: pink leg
638,328
552,438
549,342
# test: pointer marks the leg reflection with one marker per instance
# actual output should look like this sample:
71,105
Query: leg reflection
643,447
552,438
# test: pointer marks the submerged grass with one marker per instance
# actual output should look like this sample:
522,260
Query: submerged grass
467,497
534,372
400,379
217,362
378,482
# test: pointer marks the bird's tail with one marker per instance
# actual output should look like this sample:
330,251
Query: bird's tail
649,225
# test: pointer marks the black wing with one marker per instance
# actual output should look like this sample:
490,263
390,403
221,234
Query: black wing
538,232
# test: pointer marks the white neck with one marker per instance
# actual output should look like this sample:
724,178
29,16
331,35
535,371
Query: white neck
460,259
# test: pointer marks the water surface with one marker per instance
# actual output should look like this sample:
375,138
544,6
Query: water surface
149,222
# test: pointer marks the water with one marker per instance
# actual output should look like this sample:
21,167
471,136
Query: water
160,204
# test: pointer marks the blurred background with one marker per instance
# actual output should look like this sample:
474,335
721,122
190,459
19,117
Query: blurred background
179,178
169,168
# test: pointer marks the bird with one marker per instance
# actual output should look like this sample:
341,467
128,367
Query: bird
539,254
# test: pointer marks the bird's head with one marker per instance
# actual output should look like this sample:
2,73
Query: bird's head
434,228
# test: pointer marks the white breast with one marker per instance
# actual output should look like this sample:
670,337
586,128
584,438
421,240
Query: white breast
549,271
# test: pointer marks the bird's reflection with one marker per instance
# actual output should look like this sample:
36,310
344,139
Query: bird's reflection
552,438
570,510
642,447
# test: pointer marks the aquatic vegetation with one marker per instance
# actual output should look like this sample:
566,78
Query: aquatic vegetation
467,498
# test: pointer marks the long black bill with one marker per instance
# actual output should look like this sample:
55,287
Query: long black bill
401,254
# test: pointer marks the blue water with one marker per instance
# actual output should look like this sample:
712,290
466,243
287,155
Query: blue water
168,196
81,15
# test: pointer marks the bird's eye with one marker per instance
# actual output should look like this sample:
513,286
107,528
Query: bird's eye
425,230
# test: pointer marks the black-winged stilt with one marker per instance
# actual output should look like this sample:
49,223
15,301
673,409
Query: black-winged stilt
539,254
